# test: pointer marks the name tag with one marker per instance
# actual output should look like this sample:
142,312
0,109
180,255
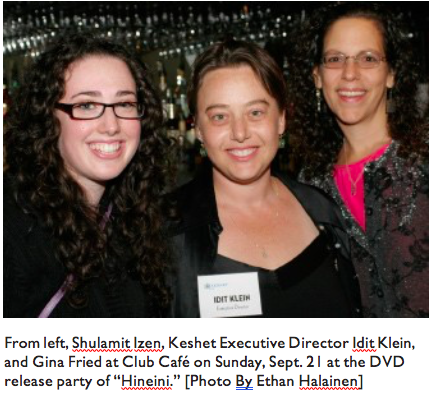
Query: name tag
229,295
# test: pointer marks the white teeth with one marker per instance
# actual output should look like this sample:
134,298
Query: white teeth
242,153
108,148
352,93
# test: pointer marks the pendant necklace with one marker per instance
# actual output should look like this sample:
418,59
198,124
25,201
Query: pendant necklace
258,246
353,183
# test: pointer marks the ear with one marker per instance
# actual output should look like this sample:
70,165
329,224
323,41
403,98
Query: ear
282,123
390,80
198,132
317,77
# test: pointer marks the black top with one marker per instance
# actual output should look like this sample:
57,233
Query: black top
307,286
32,274
195,235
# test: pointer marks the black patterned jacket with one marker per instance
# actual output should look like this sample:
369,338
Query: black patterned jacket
391,257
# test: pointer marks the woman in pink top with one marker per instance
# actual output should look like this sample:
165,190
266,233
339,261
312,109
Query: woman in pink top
358,132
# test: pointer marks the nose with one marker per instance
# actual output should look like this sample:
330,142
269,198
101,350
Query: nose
109,123
239,130
350,69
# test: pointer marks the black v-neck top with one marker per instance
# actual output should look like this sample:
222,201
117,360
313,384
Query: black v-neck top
307,286
322,292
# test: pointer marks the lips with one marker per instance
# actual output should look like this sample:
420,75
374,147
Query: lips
103,150
351,95
106,148
242,154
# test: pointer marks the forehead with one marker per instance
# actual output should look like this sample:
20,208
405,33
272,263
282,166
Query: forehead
230,83
353,34
98,72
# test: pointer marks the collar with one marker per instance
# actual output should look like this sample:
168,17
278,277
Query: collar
318,205
327,184
197,203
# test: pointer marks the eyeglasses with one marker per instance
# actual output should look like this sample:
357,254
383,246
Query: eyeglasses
365,60
92,110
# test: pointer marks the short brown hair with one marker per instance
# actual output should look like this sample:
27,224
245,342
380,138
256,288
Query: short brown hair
233,53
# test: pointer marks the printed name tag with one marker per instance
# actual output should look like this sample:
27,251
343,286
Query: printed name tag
229,295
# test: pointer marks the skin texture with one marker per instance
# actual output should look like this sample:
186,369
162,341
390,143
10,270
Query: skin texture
361,117
96,151
239,124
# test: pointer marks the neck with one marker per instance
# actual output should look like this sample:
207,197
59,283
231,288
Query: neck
254,194
360,141
94,195
93,190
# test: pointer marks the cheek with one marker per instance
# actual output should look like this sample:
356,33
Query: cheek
329,77
133,130
209,133
134,135
329,81
70,133
384,82
75,130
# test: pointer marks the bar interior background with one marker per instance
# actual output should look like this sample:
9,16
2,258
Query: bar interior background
169,35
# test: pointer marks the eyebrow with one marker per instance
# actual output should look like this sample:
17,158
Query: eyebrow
120,93
362,51
209,108
259,101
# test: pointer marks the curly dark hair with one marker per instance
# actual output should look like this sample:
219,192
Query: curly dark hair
40,179
316,138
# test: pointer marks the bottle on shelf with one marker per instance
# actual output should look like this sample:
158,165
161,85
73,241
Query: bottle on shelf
6,100
181,87
163,86
172,123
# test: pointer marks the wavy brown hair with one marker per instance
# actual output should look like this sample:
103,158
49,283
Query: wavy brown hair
133,237
316,138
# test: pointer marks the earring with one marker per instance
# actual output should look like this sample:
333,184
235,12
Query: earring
318,100
390,104
281,141
203,151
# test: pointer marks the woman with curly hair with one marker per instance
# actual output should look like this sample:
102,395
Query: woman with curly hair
357,129
82,205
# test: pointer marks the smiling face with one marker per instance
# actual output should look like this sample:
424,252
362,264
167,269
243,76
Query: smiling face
356,96
239,123
96,151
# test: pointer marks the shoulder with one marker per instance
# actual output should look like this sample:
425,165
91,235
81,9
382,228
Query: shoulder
319,205
30,268
322,210
17,219
408,171
194,203
22,226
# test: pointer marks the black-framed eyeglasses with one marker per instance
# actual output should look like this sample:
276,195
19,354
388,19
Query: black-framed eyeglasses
92,110
365,60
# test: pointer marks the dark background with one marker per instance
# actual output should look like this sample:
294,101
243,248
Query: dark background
169,29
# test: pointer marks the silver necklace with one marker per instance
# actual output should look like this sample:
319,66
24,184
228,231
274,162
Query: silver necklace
353,183
259,247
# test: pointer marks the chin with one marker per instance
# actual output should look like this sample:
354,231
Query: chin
244,177
349,120
107,175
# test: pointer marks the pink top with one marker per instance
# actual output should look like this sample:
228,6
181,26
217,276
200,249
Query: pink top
355,201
